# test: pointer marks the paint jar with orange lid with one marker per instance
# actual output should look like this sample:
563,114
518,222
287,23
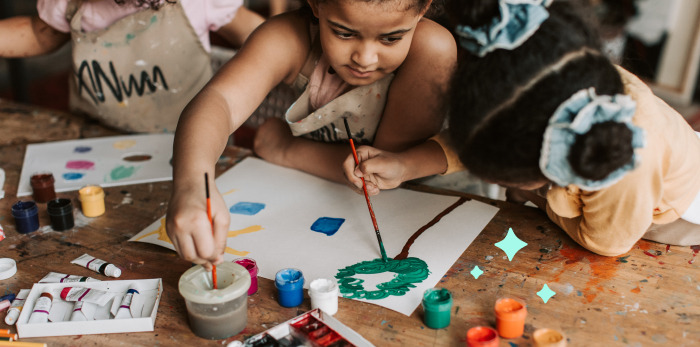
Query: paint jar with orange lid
42,187
510,317
92,199
548,338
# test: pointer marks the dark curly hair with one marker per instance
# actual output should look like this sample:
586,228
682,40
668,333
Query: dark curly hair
500,104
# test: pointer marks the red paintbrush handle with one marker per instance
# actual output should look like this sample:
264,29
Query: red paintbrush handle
364,187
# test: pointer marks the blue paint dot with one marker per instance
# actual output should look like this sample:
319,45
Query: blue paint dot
72,176
82,149
327,225
247,208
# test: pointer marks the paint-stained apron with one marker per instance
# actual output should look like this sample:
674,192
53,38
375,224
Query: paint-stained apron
362,107
139,73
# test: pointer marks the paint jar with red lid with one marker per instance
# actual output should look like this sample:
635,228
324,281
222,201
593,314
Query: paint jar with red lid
61,214
42,187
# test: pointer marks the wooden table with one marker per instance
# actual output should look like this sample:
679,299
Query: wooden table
650,296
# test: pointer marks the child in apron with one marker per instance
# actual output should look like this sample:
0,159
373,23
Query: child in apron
372,71
134,68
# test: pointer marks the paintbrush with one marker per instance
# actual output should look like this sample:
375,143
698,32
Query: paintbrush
364,189
211,222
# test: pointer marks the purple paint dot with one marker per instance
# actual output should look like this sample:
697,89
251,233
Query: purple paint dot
327,225
82,149
80,165
247,208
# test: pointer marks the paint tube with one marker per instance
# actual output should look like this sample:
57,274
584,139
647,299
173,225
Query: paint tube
125,307
95,296
55,277
97,265
42,306
16,307
83,311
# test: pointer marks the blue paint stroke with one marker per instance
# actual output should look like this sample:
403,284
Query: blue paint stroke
247,208
327,225
82,149
72,176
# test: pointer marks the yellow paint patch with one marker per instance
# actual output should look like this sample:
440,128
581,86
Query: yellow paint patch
162,234
124,144
250,229
230,250
229,192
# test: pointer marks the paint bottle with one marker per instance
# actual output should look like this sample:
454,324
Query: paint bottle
510,317
61,214
482,336
42,307
92,199
97,265
324,295
26,215
42,187
290,287
548,338
437,307
216,313
16,307
252,268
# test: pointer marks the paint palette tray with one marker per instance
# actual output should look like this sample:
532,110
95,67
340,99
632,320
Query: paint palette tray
311,329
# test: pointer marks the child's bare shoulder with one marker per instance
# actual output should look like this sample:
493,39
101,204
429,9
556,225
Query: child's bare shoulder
287,28
433,39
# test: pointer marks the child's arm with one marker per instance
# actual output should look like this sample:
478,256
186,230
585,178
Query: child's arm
240,27
25,36
412,114
387,170
207,121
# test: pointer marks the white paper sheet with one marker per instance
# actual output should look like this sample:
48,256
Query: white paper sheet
105,161
280,236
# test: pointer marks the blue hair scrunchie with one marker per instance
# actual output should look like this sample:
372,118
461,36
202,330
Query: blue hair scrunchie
519,20
576,116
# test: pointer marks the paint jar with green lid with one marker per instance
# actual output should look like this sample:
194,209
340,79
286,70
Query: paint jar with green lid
437,307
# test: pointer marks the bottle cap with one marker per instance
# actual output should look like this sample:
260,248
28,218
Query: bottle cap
112,271
8,268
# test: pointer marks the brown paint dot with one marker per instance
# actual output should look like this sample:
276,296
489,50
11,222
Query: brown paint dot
137,157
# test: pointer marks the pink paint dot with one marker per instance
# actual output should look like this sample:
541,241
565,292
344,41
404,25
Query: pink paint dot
80,165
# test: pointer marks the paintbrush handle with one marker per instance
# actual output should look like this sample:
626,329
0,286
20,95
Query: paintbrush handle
364,189
211,223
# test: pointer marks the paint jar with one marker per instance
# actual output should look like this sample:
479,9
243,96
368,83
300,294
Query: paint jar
548,338
92,199
290,287
437,307
61,214
510,317
216,313
482,336
42,187
252,268
26,215
324,295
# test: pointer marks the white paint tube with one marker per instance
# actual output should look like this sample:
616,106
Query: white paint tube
16,308
125,307
95,296
97,265
42,306
83,311
55,277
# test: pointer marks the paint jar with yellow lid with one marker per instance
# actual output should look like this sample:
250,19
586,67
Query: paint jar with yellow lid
92,199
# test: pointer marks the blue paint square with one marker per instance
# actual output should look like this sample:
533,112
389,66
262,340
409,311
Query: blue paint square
327,225
247,208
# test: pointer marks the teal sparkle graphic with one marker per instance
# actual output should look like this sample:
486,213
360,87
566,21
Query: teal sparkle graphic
545,293
511,244
476,272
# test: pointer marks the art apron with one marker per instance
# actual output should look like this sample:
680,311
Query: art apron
139,73
362,107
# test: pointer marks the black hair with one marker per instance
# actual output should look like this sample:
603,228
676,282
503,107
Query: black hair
416,5
501,103
153,4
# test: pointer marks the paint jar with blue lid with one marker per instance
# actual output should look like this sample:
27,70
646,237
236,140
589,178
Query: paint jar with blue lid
290,287
437,307
60,213
26,215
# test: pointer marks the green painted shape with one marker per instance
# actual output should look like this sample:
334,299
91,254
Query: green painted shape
129,37
121,172
409,272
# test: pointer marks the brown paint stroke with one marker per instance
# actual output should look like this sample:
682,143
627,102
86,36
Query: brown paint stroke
409,243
